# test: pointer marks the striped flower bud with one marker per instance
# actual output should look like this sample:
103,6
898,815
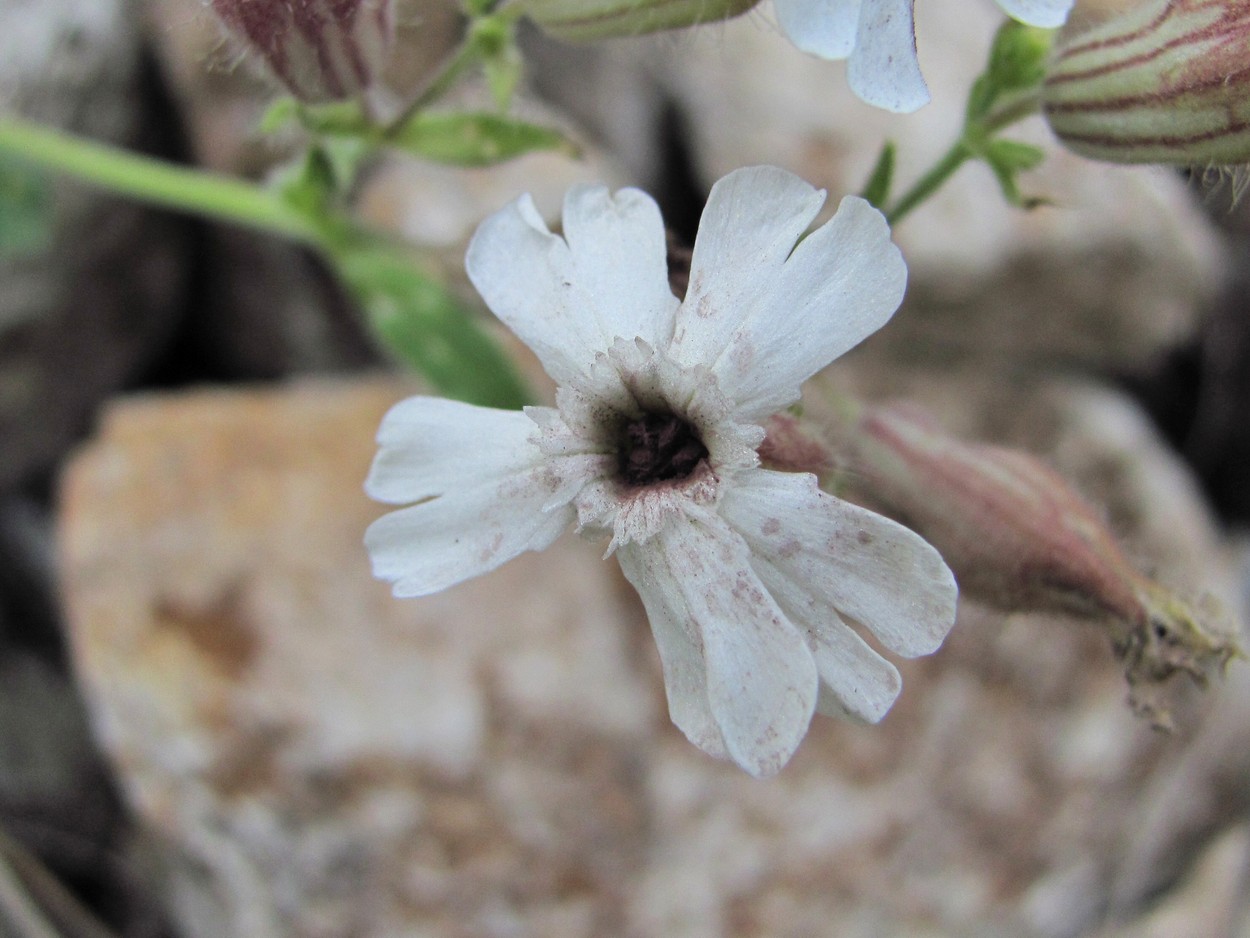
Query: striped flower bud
322,50
589,20
1016,535
1166,82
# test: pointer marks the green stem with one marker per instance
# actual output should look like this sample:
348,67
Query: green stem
156,181
468,55
1009,111
1013,108
930,182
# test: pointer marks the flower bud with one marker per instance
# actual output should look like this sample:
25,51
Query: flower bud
1015,534
322,50
1166,82
589,20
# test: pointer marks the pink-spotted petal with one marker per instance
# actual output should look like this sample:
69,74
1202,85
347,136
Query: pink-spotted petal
842,283
760,675
429,445
752,220
865,566
485,491
685,674
855,681
441,542
569,297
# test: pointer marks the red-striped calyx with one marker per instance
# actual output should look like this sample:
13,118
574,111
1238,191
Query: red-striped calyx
322,50
1165,82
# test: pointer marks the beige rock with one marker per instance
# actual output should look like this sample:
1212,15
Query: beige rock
319,759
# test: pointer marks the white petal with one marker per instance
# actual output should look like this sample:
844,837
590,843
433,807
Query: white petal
855,681
820,27
568,299
1048,13
842,283
867,567
465,533
428,446
761,677
750,225
685,678
883,70
491,493
621,252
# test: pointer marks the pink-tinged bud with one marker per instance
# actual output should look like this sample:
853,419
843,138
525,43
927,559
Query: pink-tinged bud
1166,82
322,50
1015,534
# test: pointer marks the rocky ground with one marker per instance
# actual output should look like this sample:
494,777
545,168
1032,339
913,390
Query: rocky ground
214,722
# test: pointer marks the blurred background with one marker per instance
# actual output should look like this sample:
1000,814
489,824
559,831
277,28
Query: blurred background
213,722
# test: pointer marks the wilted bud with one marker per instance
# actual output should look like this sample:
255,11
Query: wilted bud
1015,534
322,50
1166,82
589,20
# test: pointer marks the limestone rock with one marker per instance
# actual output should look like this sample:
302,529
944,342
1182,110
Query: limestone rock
320,759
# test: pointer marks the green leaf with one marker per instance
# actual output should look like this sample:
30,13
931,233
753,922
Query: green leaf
427,328
877,191
476,139
1007,158
281,114
25,209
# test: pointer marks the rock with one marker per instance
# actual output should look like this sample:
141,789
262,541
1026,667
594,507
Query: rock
317,758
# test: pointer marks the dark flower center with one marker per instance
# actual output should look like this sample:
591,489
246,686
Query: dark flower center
659,447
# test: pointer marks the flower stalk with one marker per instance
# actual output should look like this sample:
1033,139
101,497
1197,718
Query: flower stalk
157,182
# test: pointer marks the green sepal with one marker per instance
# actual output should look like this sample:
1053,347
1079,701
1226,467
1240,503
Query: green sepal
1007,158
877,191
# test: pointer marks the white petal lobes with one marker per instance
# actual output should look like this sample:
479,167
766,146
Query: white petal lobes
820,27
428,547
429,445
618,244
1047,13
750,224
842,283
681,650
884,70
855,681
761,677
486,493
568,300
866,566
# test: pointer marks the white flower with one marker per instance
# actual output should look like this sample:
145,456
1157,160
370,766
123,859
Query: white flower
879,39
745,573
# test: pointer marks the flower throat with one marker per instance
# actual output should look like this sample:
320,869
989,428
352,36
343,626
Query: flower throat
659,448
